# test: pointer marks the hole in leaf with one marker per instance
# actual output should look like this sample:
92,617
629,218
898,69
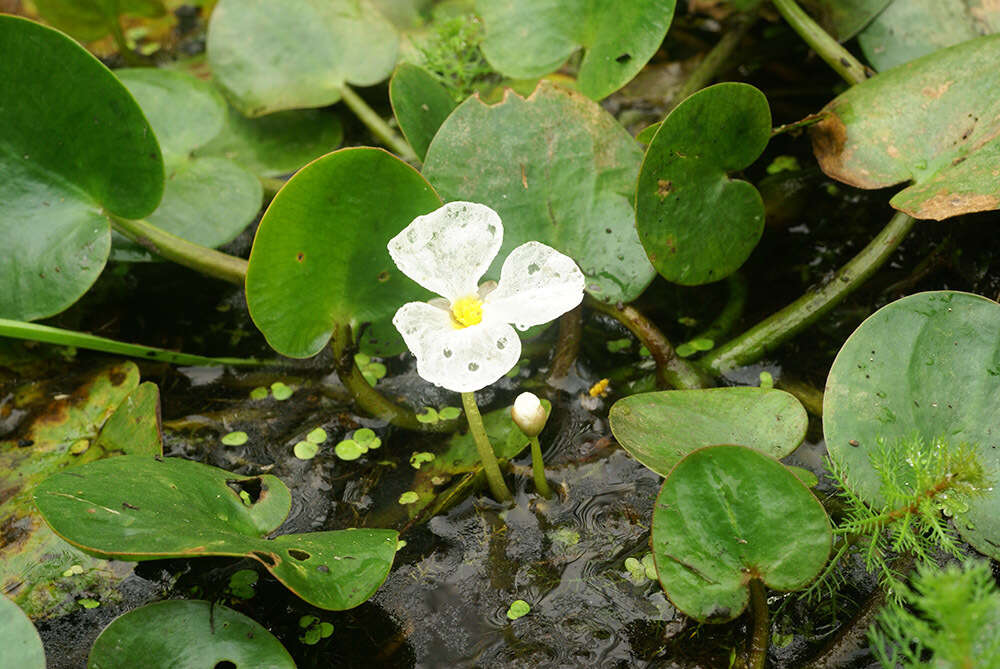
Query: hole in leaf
624,58
252,487
224,664
265,558
298,555
383,276
301,256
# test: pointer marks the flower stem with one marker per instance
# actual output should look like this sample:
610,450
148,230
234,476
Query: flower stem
370,400
671,370
567,344
199,258
736,302
713,61
761,625
486,454
770,333
836,56
51,335
378,127
538,469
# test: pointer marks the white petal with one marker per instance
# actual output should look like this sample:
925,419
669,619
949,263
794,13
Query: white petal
420,321
537,284
448,250
469,359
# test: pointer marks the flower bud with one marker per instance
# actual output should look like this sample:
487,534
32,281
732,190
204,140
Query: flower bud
529,414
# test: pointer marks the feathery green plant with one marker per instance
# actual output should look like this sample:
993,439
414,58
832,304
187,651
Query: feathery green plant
948,618
923,485
452,54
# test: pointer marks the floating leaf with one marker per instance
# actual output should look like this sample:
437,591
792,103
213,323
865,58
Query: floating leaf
527,39
658,429
727,515
696,224
933,121
320,261
420,103
316,436
925,366
270,55
22,648
280,391
348,449
908,29
559,170
180,633
518,609
275,144
237,438
140,508
207,201
306,450
89,20
96,414
59,176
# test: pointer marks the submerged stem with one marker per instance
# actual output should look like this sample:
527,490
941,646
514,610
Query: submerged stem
761,625
775,330
489,459
378,127
370,400
829,49
51,335
713,61
194,256
671,370
567,344
538,469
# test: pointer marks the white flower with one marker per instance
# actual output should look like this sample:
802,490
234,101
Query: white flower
464,342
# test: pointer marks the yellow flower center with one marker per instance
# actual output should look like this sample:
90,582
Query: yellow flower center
466,311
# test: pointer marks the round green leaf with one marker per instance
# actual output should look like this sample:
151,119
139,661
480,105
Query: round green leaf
185,111
914,28
270,55
140,508
208,201
926,366
559,170
57,172
658,429
527,39
696,224
180,634
727,515
420,103
275,144
22,648
920,122
320,257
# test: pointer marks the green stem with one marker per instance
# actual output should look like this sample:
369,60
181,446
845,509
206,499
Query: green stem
671,371
836,56
713,61
761,625
567,344
489,459
811,119
131,58
538,469
736,301
271,186
204,260
51,335
379,128
370,400
770,333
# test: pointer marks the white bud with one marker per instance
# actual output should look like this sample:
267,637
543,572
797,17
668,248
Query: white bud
529,414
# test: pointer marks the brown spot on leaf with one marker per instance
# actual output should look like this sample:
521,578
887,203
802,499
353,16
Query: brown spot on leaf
524,177
945,204
663,188
300,256
934,92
